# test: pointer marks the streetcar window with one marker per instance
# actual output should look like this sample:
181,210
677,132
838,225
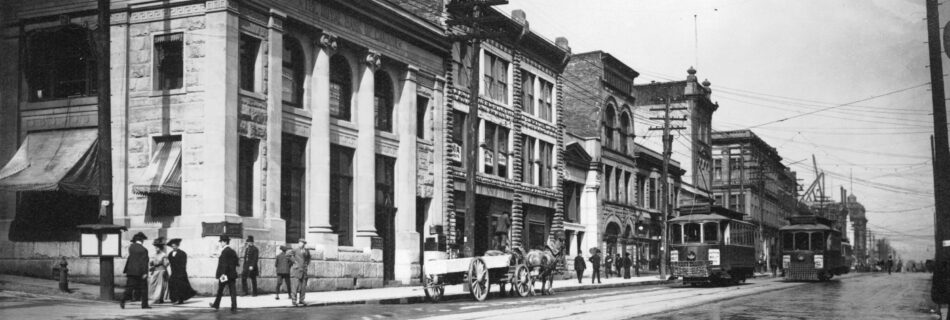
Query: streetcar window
801,241
817,241
710,232
726,233
691,230
676,233
788,241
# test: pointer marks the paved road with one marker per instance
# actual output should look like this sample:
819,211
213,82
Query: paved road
901,296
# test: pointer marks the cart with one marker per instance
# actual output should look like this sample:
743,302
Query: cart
478,274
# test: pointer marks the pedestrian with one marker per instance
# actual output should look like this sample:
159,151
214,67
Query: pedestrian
298,271
136,271
626,265
158,273
608,261
618,265
889,264
636,265
251,270
226,273
179,289
579,266
282,266
595,267
501,231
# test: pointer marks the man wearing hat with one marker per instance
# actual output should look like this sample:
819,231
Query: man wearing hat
301,260
251,256
226,273
136,271
282,267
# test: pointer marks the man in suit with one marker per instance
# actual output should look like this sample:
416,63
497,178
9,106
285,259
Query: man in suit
251,256
226,273
282,267
579,267
301,260
595,267
136,271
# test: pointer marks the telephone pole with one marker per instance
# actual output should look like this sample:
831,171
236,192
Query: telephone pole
471,16
664,184
106,270
940,292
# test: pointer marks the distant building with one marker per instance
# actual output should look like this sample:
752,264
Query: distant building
859,225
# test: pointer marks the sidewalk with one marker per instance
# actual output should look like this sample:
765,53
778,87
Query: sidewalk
391,295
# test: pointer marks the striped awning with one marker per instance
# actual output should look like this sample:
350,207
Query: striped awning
59,160
163,175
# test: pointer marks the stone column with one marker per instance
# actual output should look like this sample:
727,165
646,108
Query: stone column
365,156
118,58
218,177
317,220
437,213
407,239
272,149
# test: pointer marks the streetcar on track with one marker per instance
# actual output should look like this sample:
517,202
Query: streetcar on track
711,245
811,249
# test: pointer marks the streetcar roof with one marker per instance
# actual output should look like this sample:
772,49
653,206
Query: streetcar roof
697,217
806,227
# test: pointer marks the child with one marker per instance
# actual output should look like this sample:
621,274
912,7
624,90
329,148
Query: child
282,264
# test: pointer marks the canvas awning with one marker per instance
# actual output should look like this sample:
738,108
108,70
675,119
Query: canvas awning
163,175
60,160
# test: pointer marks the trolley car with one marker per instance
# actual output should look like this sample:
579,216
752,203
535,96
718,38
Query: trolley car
811,249
711,245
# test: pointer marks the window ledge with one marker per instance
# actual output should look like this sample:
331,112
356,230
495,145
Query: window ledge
343,123
297,111
387,135
532,116
172,92
252,94
65,102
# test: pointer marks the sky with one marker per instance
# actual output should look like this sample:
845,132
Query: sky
845,81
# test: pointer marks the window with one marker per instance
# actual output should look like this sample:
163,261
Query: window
383,101
653,193
495,150
422,110
572,203
641,190
341,88
341,193
247,156
501,156
710,232
292,74
527,92
618,186
248,48
169,66
60,63
52,216
624,132
676,233
627,187
462,65
459,137
735,168
545,102
489,148
385,181
496,78
536,235
717,169
293,171
801,241
608,180
608,124
691,231
527,160
546,173
817,241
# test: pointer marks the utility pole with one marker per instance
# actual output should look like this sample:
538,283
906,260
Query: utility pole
940,292
664,184
106,270
471,15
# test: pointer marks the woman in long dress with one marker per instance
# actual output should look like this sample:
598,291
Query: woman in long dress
179,289
158,273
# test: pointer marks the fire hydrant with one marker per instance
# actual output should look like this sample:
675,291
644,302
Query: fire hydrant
63,275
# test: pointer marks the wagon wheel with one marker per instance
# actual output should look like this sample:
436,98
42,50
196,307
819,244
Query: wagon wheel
522,281
433,288
478,279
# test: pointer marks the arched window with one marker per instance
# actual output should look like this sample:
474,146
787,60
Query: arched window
383,101
292,73
609,119
341,88
624,132
60,63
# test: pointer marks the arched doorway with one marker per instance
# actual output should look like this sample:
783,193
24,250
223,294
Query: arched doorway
611,237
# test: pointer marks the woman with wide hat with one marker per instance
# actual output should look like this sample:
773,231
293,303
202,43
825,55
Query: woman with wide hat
158,273
179,289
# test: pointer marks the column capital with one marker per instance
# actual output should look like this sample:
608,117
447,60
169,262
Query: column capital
373,60
412,73
327,41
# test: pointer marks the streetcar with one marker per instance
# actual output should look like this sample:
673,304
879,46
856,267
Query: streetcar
711,245
811,249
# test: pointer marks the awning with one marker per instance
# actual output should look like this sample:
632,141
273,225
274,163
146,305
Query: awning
163,175
61,160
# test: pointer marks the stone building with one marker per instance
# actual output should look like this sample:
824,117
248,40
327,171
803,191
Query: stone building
519,164
749,177
277,119
620,198
859,225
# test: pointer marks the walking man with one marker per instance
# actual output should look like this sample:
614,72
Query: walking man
301,260
608,261
251,256
579,266
136,271
226,273
595,265
282,266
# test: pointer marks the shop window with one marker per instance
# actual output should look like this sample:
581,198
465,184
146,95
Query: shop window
462,65
60,63
248,49
383,101
422,110
341,88
47,216
527,160
292,73
496,78
545,101
527,92
169,66
341,193
247,157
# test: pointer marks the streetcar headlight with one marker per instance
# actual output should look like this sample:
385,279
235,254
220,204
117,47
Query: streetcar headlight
801,258
691,256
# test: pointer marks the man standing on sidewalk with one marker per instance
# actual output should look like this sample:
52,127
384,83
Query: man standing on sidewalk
595,265
608,261
226,273
251,256
301,260
136,271
282,267
579,267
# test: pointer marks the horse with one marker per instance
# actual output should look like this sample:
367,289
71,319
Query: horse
545,262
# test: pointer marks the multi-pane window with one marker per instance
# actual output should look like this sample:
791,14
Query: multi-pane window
527,91
248,48
545,101
341,193
496,78
247,156
495,150
717,169
292,73
489,148
735,168
527,160
545,174
462,65
169,66
61,63
341,88
383,101
293,170
459,135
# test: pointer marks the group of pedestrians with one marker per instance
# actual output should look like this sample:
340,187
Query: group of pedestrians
164,276
624,263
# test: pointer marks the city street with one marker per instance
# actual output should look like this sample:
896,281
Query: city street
861,296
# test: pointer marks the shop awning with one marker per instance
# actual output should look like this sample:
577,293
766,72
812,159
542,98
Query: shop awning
163,175
60,160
